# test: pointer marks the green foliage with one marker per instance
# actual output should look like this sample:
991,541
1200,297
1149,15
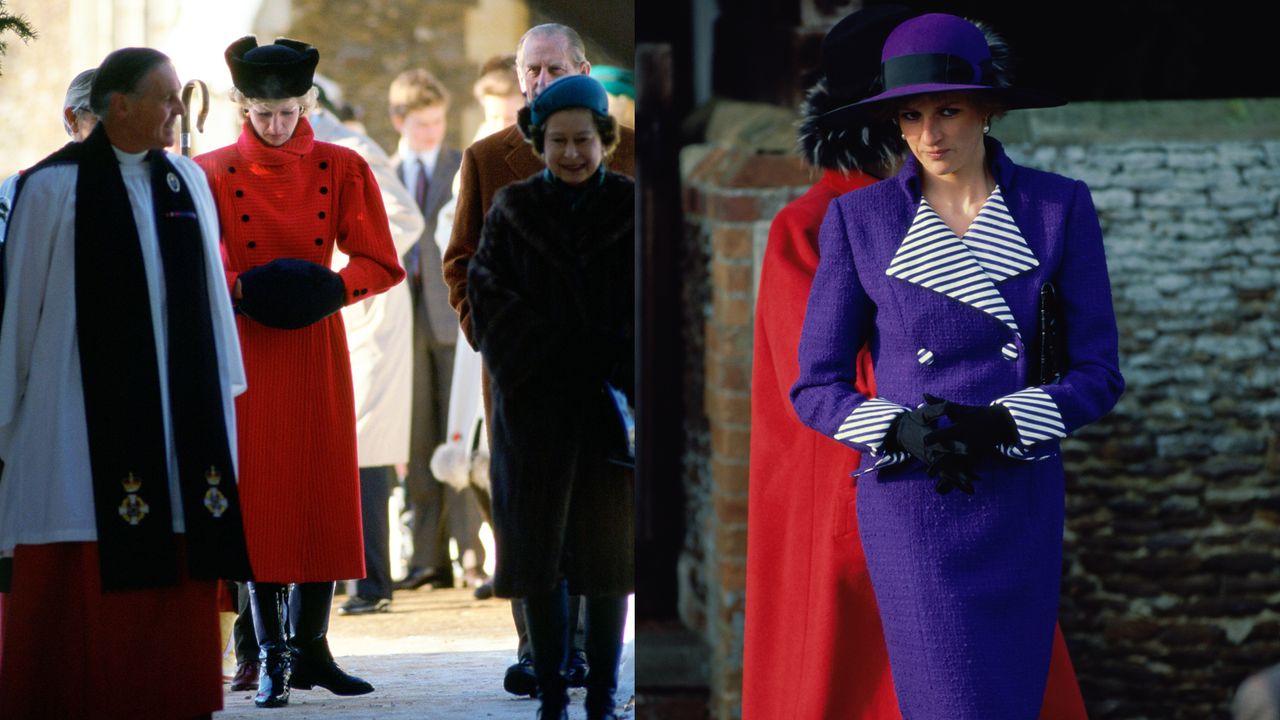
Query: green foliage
16,24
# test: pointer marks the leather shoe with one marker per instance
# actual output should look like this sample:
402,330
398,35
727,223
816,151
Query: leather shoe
417,578
273,680
520,678
313,666
246,677
484,591
360,605
577,673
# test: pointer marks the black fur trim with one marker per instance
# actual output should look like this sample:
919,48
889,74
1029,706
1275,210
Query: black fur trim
1001,60
524,121
854,147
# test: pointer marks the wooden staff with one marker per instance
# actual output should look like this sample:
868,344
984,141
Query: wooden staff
186,112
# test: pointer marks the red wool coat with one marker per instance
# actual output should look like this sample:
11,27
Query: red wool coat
296,426
814,645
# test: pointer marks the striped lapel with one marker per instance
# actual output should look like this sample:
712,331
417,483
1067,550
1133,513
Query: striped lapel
965,269
996,243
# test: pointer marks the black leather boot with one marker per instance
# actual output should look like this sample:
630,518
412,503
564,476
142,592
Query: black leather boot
547,619
267,602
313,664
606,616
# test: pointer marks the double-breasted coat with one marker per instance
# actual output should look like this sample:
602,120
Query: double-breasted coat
299,481
552,309
967,586
810,605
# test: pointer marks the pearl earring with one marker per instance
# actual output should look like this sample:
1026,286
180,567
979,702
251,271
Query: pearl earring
986,129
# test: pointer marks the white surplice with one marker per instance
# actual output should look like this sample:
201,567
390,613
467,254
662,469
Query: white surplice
46,491
380,327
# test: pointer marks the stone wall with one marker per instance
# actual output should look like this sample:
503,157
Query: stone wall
1171,590
1172,546
374,41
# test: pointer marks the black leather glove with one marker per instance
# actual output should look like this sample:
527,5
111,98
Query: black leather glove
952,471
290,294
908,431
974,429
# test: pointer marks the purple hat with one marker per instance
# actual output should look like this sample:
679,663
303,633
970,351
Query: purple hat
939,53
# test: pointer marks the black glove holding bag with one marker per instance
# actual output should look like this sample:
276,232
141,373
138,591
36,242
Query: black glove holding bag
912,432
909,430
974,429
290,294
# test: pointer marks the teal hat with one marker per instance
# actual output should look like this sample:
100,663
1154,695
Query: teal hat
616,80
571,91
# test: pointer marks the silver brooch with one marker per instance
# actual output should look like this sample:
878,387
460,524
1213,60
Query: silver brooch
173,182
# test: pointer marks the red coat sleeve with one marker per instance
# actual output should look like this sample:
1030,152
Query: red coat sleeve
365,235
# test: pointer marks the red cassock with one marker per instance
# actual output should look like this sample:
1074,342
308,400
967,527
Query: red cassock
299,481
814,646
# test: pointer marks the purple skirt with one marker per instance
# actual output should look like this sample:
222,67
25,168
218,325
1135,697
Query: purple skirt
967,586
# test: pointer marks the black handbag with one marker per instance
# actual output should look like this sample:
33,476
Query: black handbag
1051,357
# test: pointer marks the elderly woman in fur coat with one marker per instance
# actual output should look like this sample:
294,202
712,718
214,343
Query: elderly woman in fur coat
810,606
551,294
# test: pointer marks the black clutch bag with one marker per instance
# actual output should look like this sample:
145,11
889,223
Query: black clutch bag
1051,357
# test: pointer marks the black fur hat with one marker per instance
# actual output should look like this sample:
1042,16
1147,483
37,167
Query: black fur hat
849,69
281,70
851,72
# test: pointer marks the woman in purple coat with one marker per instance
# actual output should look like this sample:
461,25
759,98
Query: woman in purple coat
941,270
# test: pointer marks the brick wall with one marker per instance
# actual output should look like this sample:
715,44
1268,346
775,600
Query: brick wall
1171,590
730,199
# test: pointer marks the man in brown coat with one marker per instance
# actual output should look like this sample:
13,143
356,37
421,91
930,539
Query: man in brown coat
544,53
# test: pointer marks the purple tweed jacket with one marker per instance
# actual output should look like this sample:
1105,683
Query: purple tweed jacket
967,585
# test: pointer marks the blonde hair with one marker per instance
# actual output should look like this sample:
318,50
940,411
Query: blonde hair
414,90
306,101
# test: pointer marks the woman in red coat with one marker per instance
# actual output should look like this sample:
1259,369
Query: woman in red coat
284,201
814,646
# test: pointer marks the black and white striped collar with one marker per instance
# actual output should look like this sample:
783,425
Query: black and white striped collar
965,268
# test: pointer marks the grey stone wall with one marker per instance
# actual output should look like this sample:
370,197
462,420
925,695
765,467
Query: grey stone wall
1172,575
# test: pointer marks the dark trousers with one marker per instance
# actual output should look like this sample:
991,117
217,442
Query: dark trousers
425,497
375,490
242,633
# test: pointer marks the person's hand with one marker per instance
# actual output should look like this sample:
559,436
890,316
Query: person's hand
908,431
974,429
